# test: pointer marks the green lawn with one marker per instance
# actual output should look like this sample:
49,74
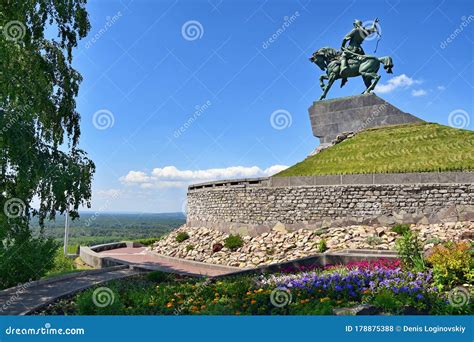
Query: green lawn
421,147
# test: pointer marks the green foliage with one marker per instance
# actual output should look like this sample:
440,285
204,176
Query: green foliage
87,303
322,246
94,229
374,240
61,263
189,247
452,264
39,135
410,251
25,258
158,276
386,300
233,242
182,236
147,241
401,228
420,147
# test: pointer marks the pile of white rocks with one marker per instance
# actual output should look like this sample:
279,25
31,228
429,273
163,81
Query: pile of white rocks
279,245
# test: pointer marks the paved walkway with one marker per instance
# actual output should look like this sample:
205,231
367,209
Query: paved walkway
21,300
31,296
139,256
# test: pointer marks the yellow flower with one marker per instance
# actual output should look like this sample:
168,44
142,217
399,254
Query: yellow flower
237,312
325,299
260,290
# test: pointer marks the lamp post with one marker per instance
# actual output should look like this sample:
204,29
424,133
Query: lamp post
66,230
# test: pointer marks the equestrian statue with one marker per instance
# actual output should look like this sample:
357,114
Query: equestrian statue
351,60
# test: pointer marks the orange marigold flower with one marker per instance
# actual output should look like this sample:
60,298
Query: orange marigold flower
253,301
169,305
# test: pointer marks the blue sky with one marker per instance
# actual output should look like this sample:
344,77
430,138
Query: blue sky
183,91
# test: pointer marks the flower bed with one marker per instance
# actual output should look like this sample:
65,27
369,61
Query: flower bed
322,291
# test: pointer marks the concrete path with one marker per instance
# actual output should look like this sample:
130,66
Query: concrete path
142,258
25,298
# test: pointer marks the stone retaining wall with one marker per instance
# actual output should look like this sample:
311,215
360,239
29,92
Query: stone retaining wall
257,208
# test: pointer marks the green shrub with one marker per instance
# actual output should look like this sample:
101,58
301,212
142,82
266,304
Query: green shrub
158,276
99,301
452,264
24,258
410,251
401,228
182,236
61,263
233,242
189,247
374,240
322,246
147,241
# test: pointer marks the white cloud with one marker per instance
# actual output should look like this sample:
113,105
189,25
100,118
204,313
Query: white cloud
396,82
441,87
418,92
170,176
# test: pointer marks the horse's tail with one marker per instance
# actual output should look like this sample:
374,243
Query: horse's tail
387,63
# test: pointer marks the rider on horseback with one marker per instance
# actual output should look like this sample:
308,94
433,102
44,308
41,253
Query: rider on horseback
355,38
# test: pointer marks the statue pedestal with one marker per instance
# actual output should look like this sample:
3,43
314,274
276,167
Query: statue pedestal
353,113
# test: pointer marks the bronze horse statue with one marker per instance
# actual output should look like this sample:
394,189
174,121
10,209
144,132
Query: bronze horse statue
328,59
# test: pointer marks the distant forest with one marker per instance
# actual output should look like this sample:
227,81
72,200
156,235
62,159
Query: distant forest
94,228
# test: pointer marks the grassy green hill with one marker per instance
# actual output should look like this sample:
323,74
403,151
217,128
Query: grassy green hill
420,147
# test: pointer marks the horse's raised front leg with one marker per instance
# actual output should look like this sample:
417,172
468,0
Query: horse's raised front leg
331,80
321,80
